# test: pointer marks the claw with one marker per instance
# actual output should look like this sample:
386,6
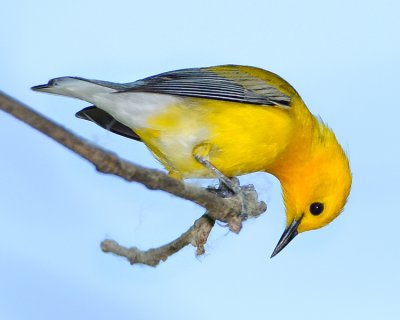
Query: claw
230,187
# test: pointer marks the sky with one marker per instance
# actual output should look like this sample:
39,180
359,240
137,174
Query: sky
343,57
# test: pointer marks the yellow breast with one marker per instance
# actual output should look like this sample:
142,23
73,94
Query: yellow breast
236,138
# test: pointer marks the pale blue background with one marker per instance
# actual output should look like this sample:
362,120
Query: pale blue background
343,58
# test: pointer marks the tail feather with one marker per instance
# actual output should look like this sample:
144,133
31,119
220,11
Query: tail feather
106,121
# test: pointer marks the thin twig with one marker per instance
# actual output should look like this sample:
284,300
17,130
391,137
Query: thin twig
196,235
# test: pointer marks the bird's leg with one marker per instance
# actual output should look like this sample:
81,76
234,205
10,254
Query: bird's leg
227,187
230,187
226,184
247,195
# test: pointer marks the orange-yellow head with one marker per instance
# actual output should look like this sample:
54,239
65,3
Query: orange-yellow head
316,181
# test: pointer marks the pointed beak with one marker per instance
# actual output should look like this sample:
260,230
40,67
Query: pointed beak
287,236
41,87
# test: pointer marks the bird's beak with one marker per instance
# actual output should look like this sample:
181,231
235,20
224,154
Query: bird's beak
287,236
41,87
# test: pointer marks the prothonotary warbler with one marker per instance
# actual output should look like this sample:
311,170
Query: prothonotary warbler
239,119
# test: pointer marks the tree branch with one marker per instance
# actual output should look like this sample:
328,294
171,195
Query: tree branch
196,235
228,210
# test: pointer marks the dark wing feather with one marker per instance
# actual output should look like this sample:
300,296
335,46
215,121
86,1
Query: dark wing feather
106,121
230,84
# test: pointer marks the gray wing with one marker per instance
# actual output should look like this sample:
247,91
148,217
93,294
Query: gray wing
231,84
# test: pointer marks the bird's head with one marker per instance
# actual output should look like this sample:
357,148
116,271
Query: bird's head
316,183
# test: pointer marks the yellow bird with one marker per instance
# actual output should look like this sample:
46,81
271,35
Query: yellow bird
237,119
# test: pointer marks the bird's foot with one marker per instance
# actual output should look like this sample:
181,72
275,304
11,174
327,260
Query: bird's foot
230,187
247,197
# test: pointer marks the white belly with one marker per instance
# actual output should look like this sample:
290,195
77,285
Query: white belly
134,109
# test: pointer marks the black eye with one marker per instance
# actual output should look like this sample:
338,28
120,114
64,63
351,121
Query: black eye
316,208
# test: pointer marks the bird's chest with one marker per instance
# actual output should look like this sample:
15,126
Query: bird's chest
235,139
172,135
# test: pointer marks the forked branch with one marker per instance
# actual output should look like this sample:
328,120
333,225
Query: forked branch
228,210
